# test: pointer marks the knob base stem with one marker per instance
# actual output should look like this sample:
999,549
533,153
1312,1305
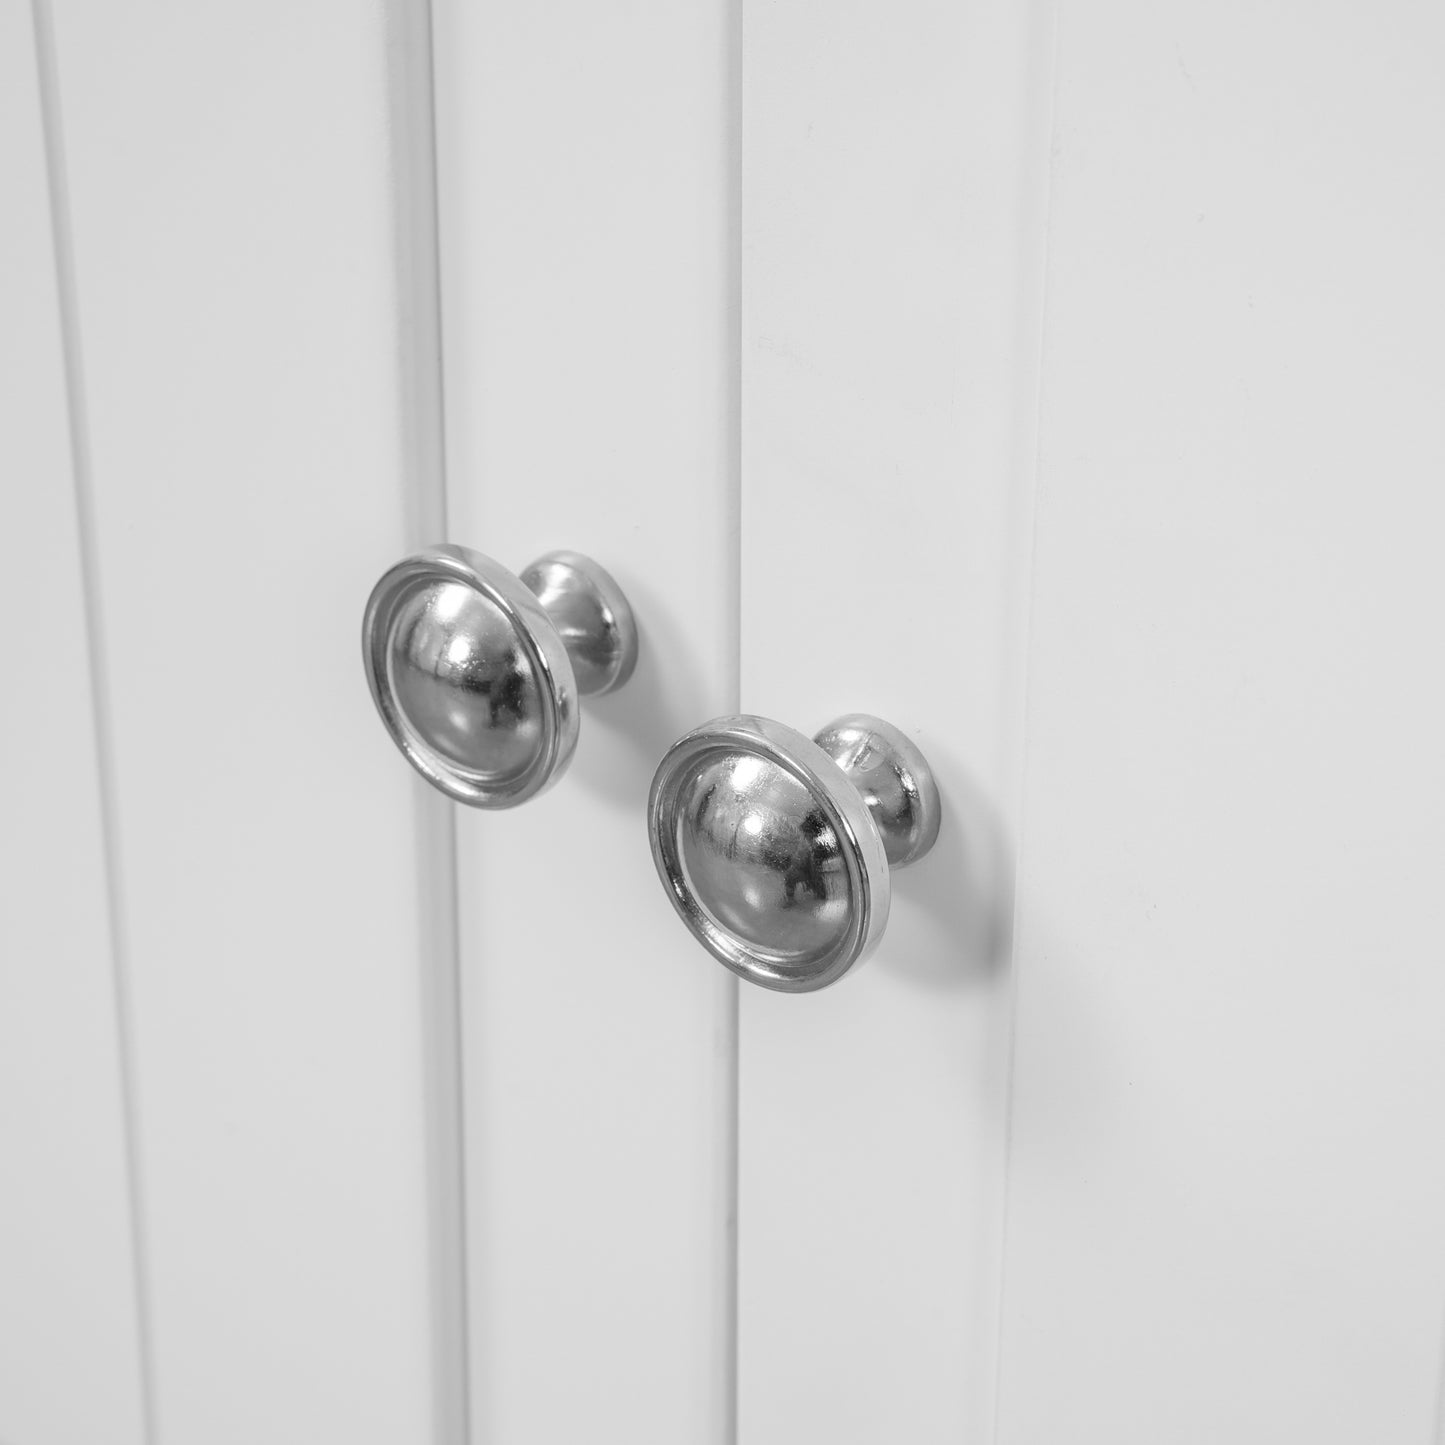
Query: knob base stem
889,770
591,615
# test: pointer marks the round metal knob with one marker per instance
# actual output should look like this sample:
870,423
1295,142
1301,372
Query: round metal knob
775,849
476,672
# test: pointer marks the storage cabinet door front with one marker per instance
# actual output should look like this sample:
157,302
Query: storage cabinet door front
1133,517
1062,386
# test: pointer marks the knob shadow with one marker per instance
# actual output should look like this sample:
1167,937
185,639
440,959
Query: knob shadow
952,915
626,733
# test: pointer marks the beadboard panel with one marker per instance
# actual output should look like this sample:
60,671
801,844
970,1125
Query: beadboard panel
70,1336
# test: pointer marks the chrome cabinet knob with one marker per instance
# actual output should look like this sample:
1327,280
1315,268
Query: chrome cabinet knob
476,672
775,849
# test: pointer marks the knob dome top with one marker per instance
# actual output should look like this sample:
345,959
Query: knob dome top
470,677
768,853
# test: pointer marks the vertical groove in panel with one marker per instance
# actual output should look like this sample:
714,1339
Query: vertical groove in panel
414,185
1036,202
1438,1436
730,1142
733,440
730,1133
413,141
99,692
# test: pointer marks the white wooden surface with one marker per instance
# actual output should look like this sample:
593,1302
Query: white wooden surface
891,194
70,1355
587,220
747,302
248,378
1227,1195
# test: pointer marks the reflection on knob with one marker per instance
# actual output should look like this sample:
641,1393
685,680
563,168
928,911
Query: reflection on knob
476,672
775,849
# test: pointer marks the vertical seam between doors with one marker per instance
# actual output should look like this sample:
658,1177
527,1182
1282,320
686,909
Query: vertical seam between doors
1028,464
81,473
423,482
1437,1435
733,300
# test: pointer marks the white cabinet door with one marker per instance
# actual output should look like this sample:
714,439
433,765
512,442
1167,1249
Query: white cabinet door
250,254
242,400
1062,385
1165,591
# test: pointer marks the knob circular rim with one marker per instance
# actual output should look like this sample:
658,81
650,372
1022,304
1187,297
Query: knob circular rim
470,676
768,853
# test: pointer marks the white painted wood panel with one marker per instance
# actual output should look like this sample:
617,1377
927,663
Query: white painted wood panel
250,362
892,184
70,1352
1227,1197
589,334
